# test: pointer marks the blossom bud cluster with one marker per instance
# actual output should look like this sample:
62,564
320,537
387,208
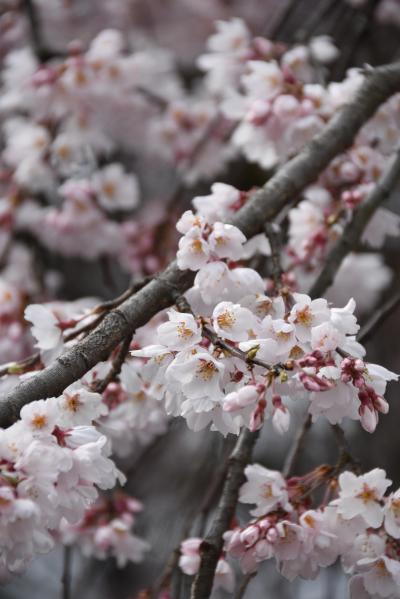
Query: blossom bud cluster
360,525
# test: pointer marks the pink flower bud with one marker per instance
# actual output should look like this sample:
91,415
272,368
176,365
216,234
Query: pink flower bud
232,539
250,535
381,405
264,524
368,418
231,402
263,549
315,383
281,420
285,106
257,417
247,396
259,112
272,535
349,172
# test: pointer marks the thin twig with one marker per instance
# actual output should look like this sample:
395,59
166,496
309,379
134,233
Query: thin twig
100,310
100,386
66,575
21,366
183,306
378,318
297,446
42,52
244,584
345,455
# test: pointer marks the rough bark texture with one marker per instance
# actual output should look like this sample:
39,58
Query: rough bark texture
379,85
211,547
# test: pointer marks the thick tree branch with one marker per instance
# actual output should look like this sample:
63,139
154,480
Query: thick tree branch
212,545
160,293
355,228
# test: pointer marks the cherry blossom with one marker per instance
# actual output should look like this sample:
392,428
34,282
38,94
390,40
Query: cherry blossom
361,495
265,488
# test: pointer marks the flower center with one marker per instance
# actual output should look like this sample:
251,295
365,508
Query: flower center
226,320
72,402
282,336
310,521
197,246
395,507
367,494
183,331
206,370
267,491
139,396
304,316
39,421
109,189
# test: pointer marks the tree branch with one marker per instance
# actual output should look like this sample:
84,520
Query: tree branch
244,584
101,385
297,446
379,85
42,52
355,228
274,234
66,574
211,547
378,318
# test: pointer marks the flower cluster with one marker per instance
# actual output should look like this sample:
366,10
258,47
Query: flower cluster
106,531
361,526
60,179
51,462
246,354
135,413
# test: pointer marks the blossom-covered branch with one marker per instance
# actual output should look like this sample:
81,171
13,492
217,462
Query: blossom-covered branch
378,86
356,226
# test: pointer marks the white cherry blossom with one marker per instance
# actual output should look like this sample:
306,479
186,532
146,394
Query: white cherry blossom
266,488
233,322
181,332
362,496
